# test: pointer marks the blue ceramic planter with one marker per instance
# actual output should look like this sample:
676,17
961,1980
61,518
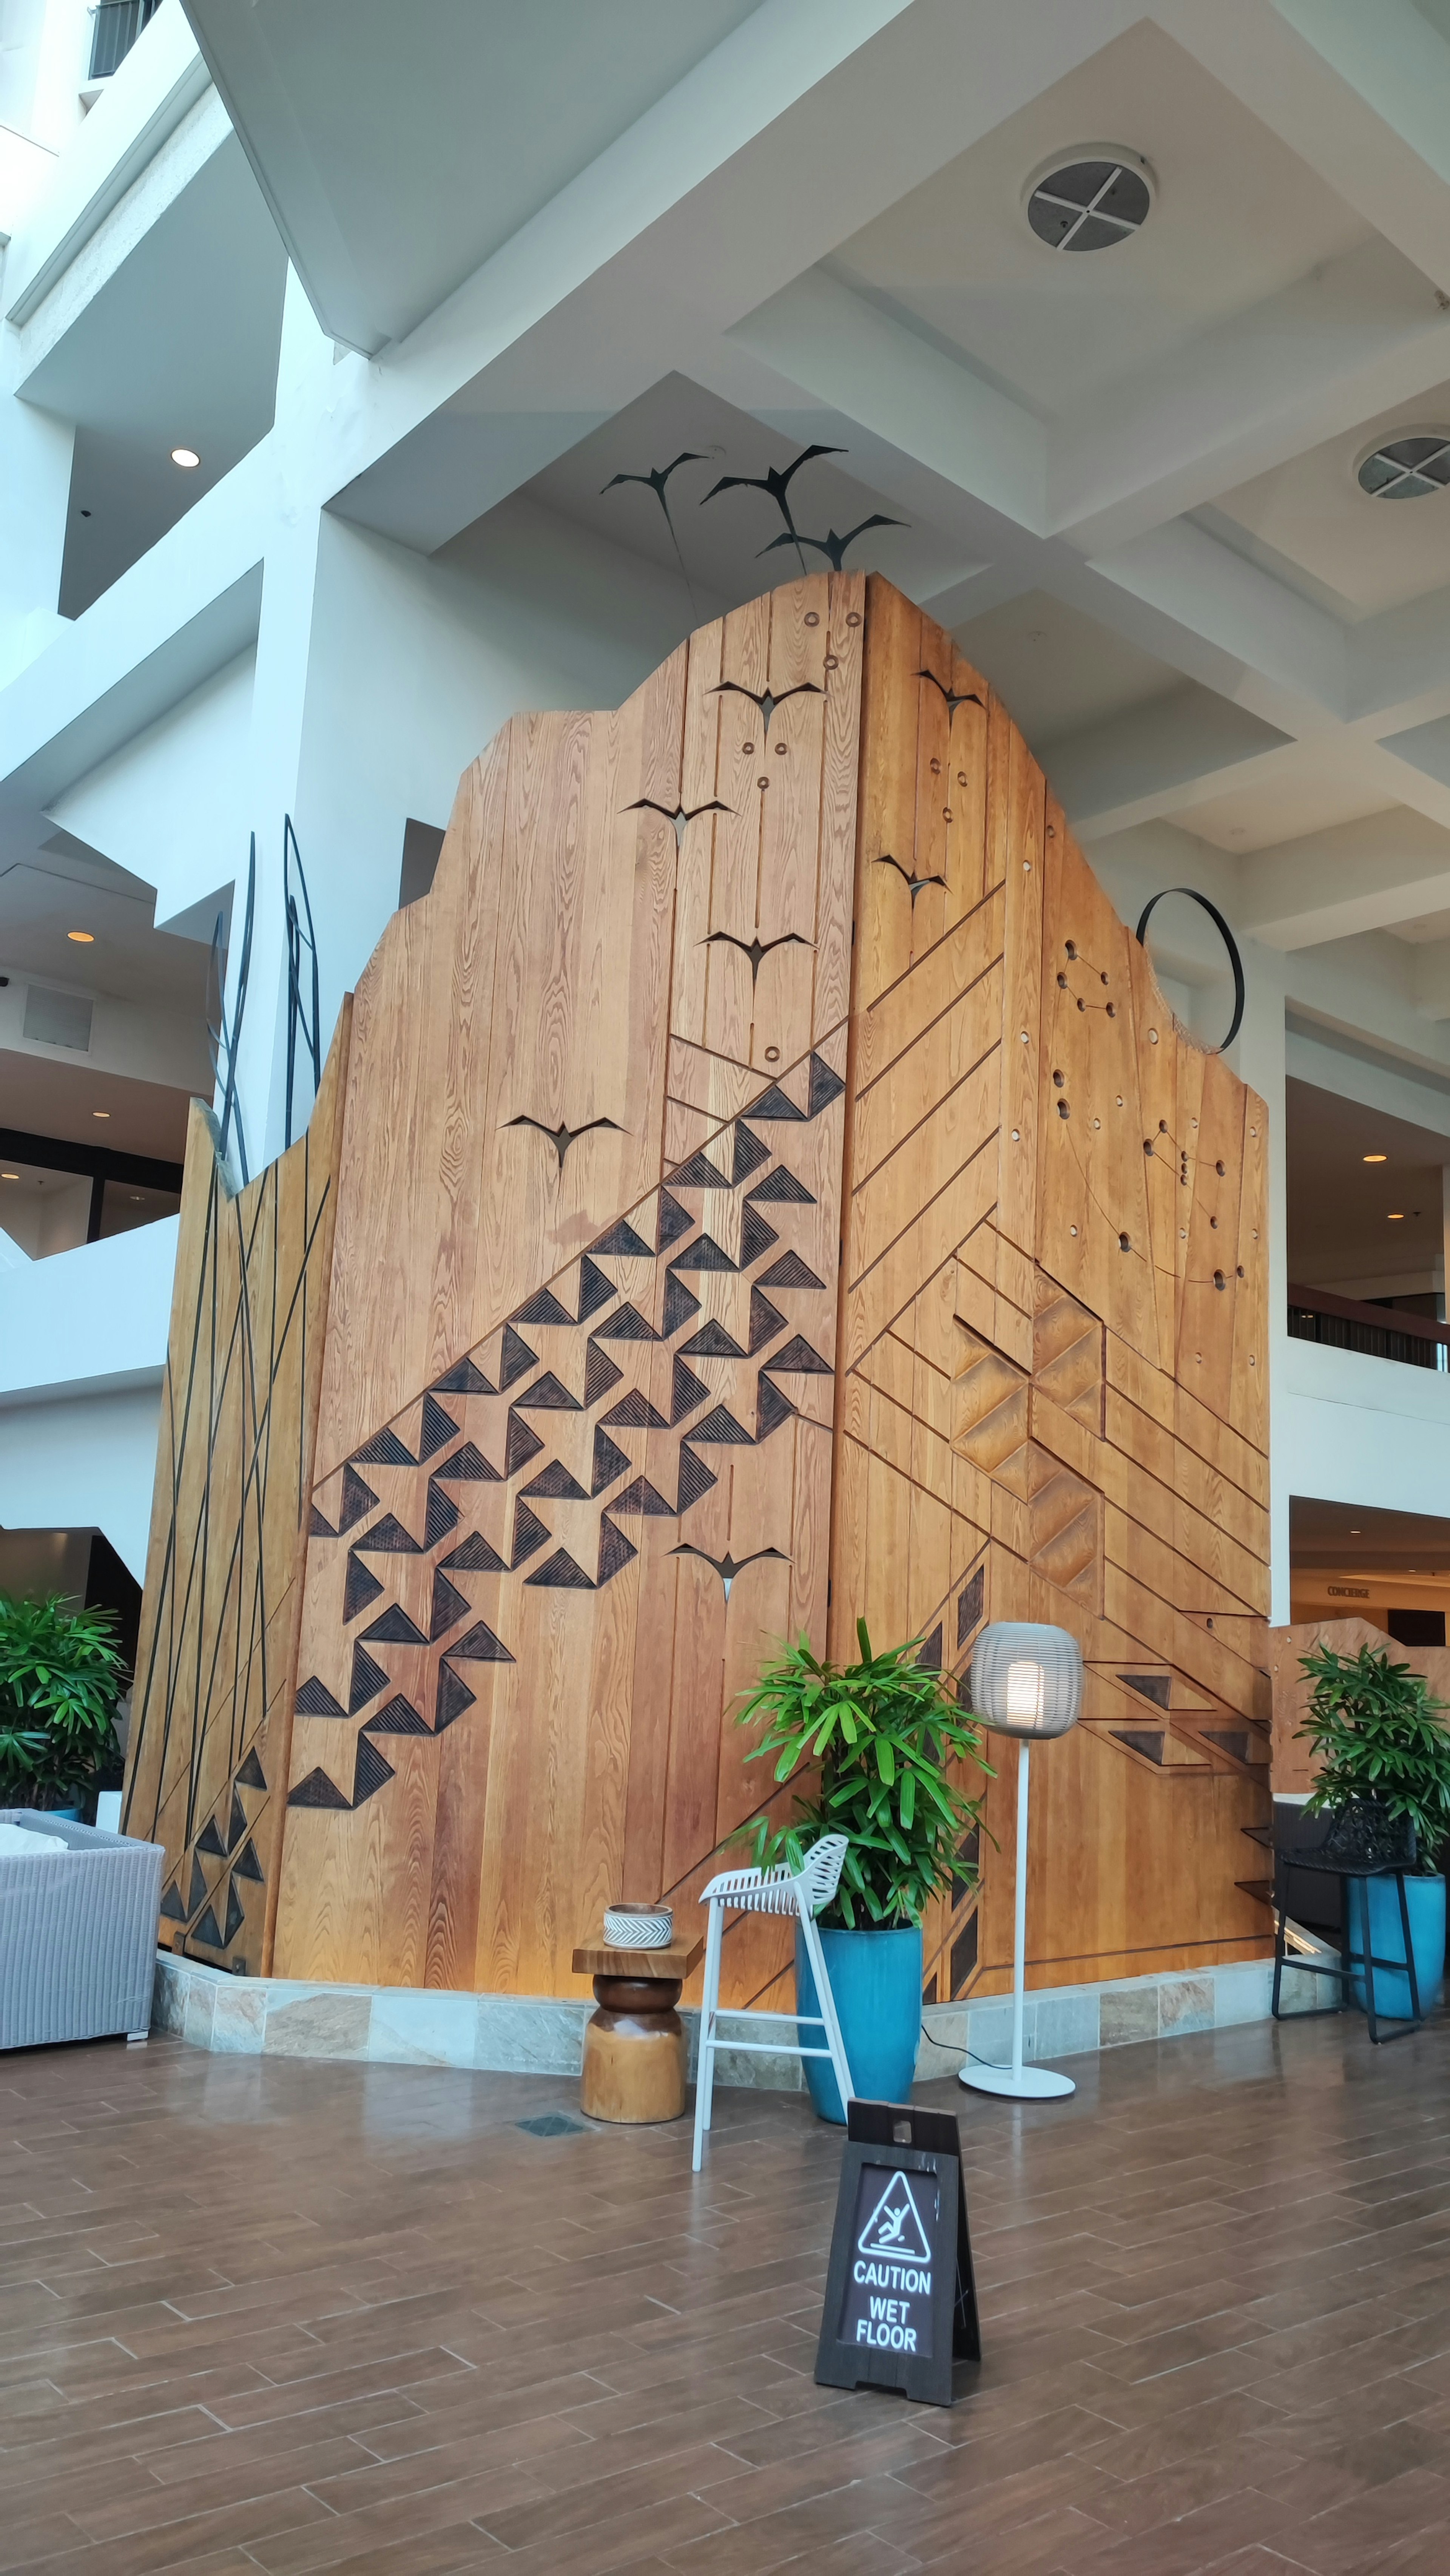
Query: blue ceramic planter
1425,1901
876,1981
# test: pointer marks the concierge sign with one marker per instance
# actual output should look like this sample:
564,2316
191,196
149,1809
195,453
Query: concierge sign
900,2305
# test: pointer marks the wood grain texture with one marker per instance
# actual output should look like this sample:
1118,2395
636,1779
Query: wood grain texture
804,1207
216,1659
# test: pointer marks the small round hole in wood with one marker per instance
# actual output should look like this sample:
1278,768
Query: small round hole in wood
853,617
812,617
772,1055
1125,1243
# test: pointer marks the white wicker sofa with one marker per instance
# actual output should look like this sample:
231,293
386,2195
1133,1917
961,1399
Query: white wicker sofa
77,1934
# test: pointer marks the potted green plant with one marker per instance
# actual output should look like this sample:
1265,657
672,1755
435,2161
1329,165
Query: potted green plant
1379,1742
883,1733
61,1674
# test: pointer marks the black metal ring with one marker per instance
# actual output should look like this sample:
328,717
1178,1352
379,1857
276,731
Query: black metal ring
1230,943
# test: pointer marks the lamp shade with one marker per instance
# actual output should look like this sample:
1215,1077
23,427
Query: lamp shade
1027,1679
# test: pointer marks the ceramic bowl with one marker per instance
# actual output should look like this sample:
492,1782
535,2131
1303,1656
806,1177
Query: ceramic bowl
638,1927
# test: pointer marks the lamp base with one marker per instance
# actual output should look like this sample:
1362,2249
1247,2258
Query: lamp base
1026,2084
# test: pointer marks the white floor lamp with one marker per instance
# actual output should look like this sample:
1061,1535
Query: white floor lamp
1027,1682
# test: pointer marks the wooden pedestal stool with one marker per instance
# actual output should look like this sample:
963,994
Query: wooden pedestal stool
634,2044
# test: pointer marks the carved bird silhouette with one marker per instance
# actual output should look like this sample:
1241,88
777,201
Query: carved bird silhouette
775,481
681,814
657,477
830,545
762,698
562,1136
968,698
728,1566
757,949
915,884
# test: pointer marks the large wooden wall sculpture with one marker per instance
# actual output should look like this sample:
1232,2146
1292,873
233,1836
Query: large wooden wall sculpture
211,1713
773,1187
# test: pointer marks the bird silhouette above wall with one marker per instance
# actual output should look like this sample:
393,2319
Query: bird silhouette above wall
968,697
728,1566
830,545
914,883
757,949
762,698
680,816
655,481
562,1137
775,480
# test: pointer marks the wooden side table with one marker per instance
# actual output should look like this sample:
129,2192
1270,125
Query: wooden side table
634,2043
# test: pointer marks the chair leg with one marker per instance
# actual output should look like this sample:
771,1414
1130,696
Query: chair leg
709,2006
1415,2014
1281,1907
1363,1886
827,2000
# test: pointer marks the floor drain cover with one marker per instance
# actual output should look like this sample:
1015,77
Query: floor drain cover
552,2124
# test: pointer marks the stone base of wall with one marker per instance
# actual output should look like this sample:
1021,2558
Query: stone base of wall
541,2035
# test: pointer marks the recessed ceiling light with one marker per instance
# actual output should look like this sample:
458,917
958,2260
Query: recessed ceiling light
9,1176
1397,1216
186,456
1376,1158
1354,1533
1409,468
82,938
100,1113
1089,199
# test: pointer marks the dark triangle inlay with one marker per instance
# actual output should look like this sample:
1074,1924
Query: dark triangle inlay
235,1917
720,1426
546,1395
790,1272
358,1499
360,1588
453,1697
198,1886
394,1628
523,1443
397,1717
449,1606
627,1324
712,1342
681,1306
543,1308
748,1156
704,1254
771,1409
756,1237
929,1659
171,1905
600,1373
1140,1740
634,1412
610,1462
674,1221
640,1499
236,1823
464,1378
516,1358
594,1289
206,1929
624,1243
798,1355
367,1680
687,1393
1155,1686
467,1466
773,1104
209,1841
969,1605
554,1484
529,1534
385,1449
480,1646
780,1188
369,1771
695,1479
387,1537
825,1087
473,1555
314,1699
251,1774
435,1428
699,1173
559,1573
765,1321
247,1865
318,1526
318,1791
615,1550
441,1517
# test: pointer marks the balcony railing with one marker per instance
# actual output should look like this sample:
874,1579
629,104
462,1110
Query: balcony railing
1315,1315
115,26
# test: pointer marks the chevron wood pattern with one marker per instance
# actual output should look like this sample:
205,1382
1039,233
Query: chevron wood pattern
212,1706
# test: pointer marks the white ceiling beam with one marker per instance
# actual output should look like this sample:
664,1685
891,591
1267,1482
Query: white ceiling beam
1130,770
1430,980
1354,337
1291,655
1365,875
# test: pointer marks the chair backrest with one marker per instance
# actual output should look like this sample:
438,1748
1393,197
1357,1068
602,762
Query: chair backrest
820,1873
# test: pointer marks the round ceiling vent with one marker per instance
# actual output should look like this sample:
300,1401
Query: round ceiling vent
1089,199
1408,468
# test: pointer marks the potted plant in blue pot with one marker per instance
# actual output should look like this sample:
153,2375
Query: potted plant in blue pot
61,1675
1380,1743
883,1734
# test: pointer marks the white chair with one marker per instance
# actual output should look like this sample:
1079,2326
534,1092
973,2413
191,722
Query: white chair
780,1890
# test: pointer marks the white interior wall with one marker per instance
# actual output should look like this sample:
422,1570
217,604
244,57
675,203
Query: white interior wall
172,805
84,1461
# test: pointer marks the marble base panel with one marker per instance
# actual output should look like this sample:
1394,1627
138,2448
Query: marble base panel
541,2035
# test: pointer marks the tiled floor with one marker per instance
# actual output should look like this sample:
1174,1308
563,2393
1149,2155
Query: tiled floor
258,2315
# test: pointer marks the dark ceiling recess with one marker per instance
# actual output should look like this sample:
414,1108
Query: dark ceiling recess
1090,204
